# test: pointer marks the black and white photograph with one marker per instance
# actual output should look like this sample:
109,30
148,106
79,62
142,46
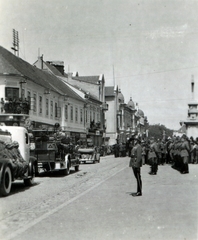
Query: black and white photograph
99,120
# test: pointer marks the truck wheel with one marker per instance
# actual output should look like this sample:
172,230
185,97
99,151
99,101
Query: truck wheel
30,181
5,187
77,168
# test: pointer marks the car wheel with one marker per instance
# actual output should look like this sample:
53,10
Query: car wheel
5,187
30,181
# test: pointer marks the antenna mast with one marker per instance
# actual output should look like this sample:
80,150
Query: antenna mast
15,43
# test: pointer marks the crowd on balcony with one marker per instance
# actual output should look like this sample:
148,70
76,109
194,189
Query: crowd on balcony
17,106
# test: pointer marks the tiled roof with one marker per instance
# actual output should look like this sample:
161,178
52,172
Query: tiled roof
10,64
76,88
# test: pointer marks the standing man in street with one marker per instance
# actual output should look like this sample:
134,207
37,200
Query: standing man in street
136,164
185,150
153,156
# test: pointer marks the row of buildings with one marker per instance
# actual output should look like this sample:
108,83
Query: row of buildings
42,95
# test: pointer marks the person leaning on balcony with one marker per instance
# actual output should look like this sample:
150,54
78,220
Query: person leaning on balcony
2,105
136,164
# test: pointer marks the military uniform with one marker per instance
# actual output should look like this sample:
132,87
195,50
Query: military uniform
185,149
136,164
153,151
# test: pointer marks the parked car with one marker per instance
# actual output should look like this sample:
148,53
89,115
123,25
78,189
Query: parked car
89,155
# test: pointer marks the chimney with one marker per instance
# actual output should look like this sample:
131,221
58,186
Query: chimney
40,62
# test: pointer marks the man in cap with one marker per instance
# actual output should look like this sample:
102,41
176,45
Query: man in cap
185,149
136,164
153,156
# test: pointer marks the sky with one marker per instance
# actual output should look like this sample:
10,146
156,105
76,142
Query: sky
149,48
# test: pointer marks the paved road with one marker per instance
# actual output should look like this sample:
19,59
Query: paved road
101,206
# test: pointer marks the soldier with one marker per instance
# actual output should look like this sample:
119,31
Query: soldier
163,150
143,152
168,150
159,152
153,158
116,149
185,149
22,164
8,154
136,164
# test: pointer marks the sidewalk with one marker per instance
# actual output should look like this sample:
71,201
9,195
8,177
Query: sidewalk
167,210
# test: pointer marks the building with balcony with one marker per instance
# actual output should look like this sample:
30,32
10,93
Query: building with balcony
91,90
35,98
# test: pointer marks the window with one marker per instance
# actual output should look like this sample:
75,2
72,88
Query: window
26,138
76,114
47,107
51,109
81,115
29,96
71,111
94,116
22,93
34,104
86,116
40,104
56,110
66,112
12,93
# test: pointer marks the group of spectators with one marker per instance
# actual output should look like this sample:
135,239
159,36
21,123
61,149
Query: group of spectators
15,105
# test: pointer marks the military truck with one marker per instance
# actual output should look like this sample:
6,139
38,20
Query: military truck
15,160
54,151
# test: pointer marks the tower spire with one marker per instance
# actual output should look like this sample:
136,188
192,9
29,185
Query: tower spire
192,86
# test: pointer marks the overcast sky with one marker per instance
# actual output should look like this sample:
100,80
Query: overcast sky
149,48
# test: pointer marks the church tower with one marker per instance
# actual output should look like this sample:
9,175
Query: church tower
192,118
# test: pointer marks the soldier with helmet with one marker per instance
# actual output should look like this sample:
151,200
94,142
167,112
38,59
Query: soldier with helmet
153,157
185,149
136,164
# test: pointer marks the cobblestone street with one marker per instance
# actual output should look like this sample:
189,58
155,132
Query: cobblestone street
96,203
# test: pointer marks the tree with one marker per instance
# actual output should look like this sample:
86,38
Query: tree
158,131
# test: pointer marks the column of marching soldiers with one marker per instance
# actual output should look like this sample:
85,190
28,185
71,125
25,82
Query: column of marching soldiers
177,151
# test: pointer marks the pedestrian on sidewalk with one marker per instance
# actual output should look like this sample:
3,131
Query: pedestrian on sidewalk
136,164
